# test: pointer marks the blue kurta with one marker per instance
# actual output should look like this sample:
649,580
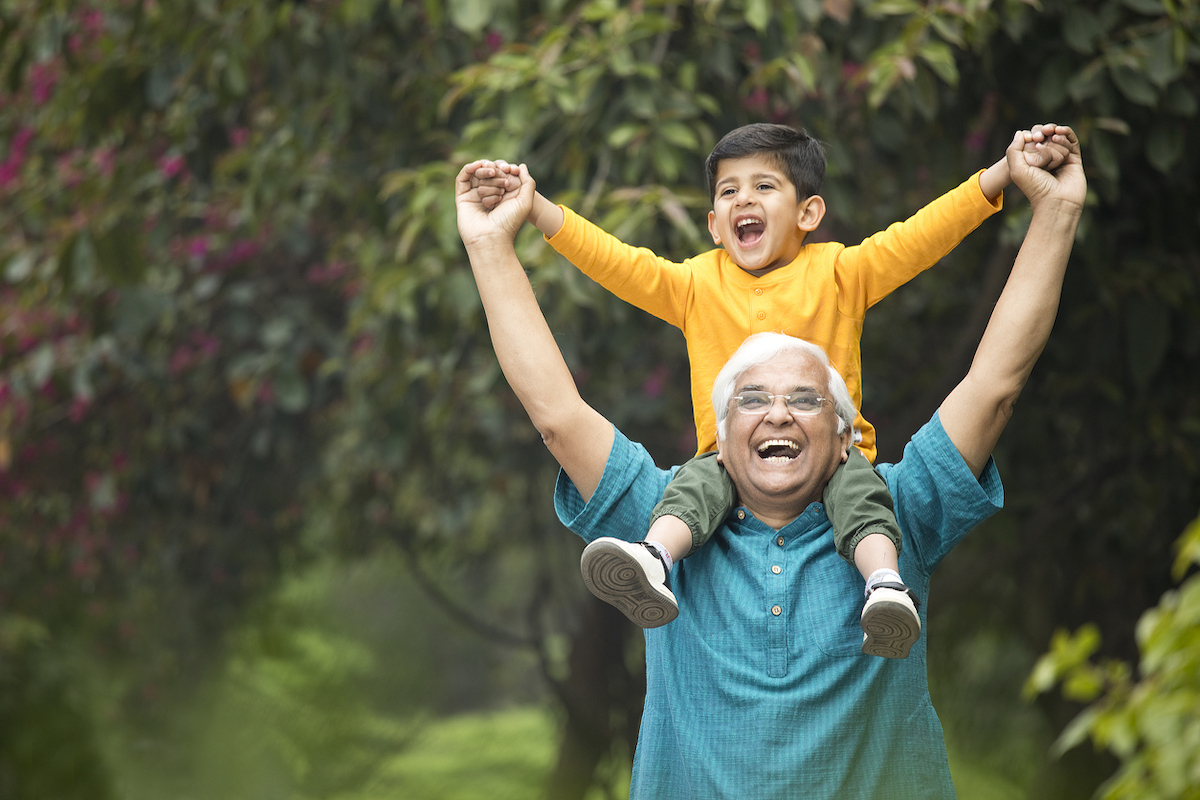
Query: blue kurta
760,689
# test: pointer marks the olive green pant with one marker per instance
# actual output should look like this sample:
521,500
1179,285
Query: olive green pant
856,499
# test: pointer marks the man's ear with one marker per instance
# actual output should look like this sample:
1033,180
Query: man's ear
847,439
719,452
812,211
712,227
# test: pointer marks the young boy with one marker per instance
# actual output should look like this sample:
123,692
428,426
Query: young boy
764,182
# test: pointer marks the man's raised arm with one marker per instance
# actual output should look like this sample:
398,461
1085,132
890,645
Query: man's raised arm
575,433
977,410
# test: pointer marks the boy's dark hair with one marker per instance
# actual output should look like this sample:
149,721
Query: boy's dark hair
801,157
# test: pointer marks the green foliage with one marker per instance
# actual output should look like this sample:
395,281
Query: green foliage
239,332
1148,721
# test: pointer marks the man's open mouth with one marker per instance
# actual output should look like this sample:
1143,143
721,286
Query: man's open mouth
749,231
778,451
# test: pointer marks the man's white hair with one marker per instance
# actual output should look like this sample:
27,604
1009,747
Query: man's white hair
763,348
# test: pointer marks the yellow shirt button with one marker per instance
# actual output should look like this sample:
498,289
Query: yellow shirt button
762,315
758,291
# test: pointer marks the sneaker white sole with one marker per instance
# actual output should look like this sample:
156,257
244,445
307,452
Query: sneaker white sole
615,573
890,624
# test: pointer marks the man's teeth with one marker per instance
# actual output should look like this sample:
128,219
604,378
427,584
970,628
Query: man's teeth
791,450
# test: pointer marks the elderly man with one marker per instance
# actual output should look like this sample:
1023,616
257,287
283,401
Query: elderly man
759,689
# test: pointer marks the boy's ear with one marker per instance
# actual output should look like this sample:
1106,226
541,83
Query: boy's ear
712,227
812,211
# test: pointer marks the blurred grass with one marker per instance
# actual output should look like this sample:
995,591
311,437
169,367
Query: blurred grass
348,686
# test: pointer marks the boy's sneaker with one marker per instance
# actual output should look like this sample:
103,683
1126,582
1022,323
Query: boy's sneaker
889,621
632,577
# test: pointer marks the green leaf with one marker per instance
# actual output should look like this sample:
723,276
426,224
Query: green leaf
1164,146
1081,28
1180,101
758,14
940,58
679,134
19,267
291,392
1153,8
1134,85
1147,335
470,16
622,135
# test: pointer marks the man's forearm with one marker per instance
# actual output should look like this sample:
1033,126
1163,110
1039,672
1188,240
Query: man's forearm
524,346
1025,313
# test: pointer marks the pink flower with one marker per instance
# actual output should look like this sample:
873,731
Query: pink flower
170,166
180,360
42,79
104,158
243,250
238,136
79,407
19,141
756,100
976,141
92,21
198,247
9,169
494,41
656,382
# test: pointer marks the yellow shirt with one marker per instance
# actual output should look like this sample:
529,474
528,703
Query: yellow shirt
822,296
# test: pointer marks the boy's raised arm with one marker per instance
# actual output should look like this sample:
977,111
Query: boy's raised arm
575,433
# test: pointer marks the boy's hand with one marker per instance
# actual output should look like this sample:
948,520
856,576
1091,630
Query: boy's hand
1046,146
1066,184
477,224
494,180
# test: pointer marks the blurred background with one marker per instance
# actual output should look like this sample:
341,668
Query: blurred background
273,526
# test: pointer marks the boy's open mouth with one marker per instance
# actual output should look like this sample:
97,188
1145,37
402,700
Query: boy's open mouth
778,451
749,231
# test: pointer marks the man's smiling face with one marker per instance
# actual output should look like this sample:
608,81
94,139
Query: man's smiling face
756,215
779,461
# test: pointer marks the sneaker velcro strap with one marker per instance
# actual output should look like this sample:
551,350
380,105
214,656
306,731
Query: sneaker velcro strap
899,587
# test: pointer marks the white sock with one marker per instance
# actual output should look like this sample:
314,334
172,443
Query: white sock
881,575
662,551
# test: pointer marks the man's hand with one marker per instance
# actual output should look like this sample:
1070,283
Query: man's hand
1066,184
477,225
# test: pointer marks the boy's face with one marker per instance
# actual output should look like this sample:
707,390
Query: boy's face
756,215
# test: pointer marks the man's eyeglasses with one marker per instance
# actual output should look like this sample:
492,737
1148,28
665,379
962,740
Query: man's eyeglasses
802,403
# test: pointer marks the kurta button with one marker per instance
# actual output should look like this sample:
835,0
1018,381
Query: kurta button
776,569
776,610
741,514
762,315
779,541
758,291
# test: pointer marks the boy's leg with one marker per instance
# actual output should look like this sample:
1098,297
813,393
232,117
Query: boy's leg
701,494
865,533
633,576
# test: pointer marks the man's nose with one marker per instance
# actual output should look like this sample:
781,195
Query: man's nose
779,413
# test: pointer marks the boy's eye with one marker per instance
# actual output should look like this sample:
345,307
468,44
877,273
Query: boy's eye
765,186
